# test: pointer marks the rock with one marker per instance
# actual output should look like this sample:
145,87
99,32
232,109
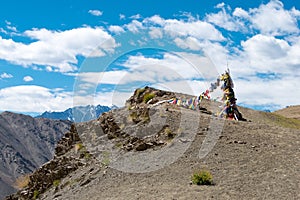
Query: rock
141,147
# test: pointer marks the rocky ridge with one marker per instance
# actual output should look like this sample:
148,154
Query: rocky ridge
252,159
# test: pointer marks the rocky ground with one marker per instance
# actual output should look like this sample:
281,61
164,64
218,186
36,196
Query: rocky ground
150,152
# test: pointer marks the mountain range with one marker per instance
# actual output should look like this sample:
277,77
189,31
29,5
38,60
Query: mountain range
25,144
78,113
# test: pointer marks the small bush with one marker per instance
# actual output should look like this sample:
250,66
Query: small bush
202,178
148,97
140,91
22,181
36,194
78,147
56,183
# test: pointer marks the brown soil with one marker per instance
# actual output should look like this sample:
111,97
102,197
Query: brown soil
251,160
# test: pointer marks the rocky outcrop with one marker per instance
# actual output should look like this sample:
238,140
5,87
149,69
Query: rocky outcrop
66,160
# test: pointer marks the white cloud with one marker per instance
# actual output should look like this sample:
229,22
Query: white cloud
197,29
179,66
257,92
5,75
270,54
261,47
37,99
116,29
272,18
134,26
34,98
155,20
12,28
27,78
137,16
155,33
220,5
239,12
122,16
225,20
96,12
158,26
57,49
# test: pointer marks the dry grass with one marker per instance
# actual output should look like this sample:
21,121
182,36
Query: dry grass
282,121
22,181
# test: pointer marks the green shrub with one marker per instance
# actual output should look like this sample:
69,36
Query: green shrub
140,91
148,97
56,183
36,194
202,178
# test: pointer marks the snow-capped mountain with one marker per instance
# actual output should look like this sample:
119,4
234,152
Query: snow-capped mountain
78,113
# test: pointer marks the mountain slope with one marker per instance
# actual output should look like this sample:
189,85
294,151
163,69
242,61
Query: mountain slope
148,151
290,112
25,144
77,114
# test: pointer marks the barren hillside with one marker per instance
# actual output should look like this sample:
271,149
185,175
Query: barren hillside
148,151
290,112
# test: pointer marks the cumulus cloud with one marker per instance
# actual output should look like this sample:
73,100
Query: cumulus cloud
191,27
96,12
226,20
27,78
116,29
134,26
37,99
239,12
272,18
139,69
197,29
276,93
57,49
5,75
269,54
155,33
33,98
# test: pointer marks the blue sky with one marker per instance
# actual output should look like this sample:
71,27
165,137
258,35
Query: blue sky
57,54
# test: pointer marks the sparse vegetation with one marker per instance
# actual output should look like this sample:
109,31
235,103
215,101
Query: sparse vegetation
282,121
148,97
22,181
133,116
87,155
36,194
78,147
140,91
169,133
56,183
105,159
202,177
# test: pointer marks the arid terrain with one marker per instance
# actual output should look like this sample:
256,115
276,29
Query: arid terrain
148,151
